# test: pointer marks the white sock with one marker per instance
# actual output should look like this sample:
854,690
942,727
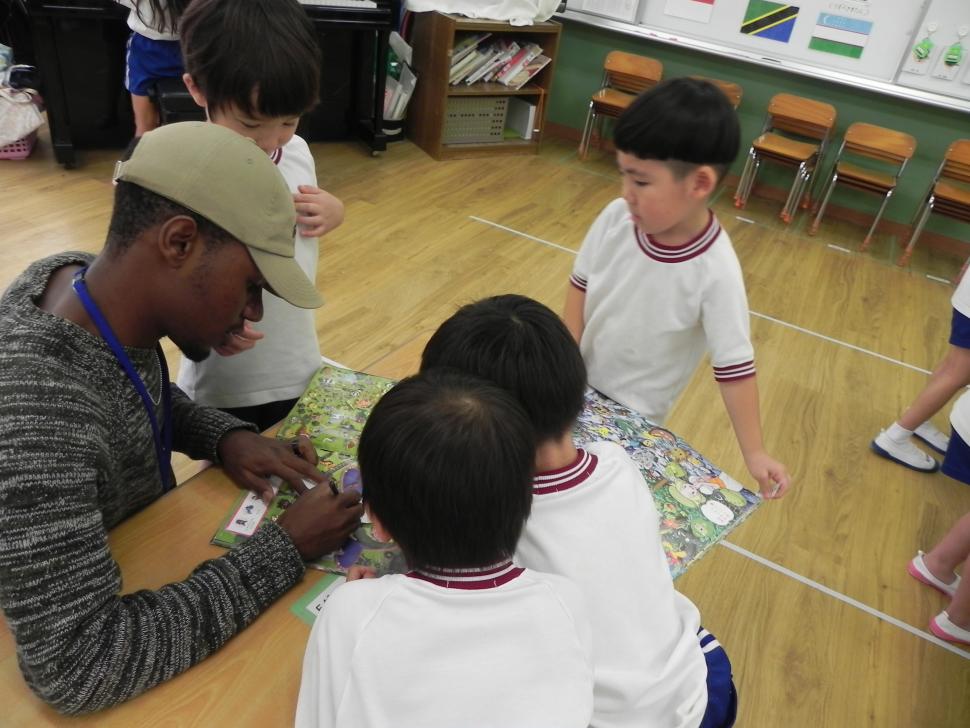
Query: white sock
898,434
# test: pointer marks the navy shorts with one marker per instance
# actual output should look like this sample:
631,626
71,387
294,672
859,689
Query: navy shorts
149,60
956,462
722,697
960,330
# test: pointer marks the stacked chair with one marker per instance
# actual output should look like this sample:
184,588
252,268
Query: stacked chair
625,75
796,133
949,193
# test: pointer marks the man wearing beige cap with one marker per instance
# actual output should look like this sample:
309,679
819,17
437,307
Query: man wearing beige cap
202,223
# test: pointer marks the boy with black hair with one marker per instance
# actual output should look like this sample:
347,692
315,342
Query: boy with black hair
254,65
466,638
657,282
649,649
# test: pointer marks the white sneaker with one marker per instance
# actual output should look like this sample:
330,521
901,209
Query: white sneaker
943,628
905,453
917,569
931,435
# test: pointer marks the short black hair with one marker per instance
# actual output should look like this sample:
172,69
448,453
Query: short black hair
446,462
681,120
137,209
522,346
234,49
165,14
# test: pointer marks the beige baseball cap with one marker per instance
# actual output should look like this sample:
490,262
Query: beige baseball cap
231,182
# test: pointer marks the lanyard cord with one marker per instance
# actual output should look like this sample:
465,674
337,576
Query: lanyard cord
163,435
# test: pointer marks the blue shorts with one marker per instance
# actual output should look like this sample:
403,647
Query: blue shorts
960,330
722,697
956,462
149,60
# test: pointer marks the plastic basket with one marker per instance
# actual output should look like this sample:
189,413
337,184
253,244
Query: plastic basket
475,119
19,149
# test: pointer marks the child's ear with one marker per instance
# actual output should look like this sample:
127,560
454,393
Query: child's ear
380,533
703,181
197,96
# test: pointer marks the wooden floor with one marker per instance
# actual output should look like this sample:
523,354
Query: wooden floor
811,598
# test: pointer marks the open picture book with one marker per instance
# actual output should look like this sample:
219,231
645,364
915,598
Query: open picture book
698,504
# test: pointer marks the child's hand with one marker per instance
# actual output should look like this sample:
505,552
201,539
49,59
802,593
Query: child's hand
361,572
317,211
772,476
243,341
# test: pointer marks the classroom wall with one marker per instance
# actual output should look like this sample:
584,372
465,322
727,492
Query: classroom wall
579,72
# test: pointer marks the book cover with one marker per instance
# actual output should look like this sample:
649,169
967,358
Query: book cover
528,71
332,412
466,45
698,503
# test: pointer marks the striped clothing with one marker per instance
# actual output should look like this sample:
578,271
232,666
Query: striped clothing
77,458
440,648
651,311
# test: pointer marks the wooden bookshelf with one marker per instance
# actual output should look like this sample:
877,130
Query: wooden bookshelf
433,41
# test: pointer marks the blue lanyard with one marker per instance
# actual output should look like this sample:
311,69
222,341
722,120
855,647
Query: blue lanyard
163,435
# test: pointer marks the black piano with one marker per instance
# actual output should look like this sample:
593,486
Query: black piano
80,52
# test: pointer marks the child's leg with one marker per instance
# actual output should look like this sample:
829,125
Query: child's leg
722,697
951,552
146,115
946,380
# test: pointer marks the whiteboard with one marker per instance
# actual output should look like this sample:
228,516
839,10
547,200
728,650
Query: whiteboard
944,65
865,38
625,10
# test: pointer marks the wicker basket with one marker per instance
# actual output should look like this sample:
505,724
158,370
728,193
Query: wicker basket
19,149
475,119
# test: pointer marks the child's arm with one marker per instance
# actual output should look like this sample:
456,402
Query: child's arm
317,211
741,401
573,311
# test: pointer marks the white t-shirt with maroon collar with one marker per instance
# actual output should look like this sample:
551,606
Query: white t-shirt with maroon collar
595,523
651,311
281,364
502,646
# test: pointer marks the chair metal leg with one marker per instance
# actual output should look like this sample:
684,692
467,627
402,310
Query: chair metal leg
872,228
788,211
928,208
825,202
743,180
587,133
753,165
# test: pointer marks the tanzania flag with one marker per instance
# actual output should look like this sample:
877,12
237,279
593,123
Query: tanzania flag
769,20
840,35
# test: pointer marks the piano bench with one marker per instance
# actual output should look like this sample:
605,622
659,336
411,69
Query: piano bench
174,101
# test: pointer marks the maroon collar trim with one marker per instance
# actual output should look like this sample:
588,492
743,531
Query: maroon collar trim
679,253
554,481
488,577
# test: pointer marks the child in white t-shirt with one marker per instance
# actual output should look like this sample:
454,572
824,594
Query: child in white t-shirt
594,521
261,369
466,638
656,283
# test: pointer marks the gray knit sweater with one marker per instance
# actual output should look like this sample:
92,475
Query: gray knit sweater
76,458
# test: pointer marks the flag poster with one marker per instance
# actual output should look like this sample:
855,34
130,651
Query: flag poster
696,10
840,35
771,20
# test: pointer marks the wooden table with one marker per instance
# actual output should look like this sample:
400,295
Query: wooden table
254,679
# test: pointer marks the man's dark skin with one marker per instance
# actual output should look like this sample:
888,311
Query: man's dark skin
156,287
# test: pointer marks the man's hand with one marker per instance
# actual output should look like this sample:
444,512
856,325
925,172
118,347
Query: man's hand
772,476
317,211
243,341
250,459
318,521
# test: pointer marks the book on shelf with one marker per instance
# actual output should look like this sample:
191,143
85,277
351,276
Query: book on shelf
527,71
459,70
465,46
529,52
482,59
